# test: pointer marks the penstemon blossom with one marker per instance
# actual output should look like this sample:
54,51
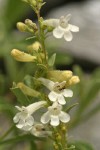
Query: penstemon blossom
55,115
58,90
39,130
62,28
24,118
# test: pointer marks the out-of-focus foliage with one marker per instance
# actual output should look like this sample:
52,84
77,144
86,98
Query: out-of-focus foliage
86,90
10,13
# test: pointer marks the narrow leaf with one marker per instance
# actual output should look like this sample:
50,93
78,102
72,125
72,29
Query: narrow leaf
82,146
23,99
20,138
70,107
52,60
90,95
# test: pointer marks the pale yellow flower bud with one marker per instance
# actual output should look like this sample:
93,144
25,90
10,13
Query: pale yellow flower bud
41,1
74,80
32,2
27,90
34,47
56,146
21,27
31,24
23,57
60,76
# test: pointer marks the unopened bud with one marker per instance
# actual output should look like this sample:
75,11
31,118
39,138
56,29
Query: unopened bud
41,1
58,137
28,22
27,90
41,57
32,2
59,76
63,128
56,146
50,28
21,27
74,80
34,47
31,24
21,56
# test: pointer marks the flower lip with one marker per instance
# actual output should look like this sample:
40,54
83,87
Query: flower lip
63,22
57,90
59,86
54,115
55,109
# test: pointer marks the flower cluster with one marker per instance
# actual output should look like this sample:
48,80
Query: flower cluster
24,119
56,82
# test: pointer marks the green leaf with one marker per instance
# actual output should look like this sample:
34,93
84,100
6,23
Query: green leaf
70,107
29,38
78,71
82,146
92,112
63,59
11,67
72,147
6,108
91,92
96,73
33,144
17,139
51,61
23,99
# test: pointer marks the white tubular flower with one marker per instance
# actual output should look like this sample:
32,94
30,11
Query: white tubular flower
55,115
58,91
24,118
39,130
62,28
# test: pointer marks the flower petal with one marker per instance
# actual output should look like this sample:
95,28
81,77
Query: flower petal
54,120
45,118
39,130
19,108
67,93
35,106
73,28
23,115
64,117
48,83
58,32
30,120
68,17
16,118
20,124
61,99
53,96
26,127
68,36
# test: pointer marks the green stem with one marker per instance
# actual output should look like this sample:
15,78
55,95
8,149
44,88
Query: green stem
60,138
41,36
